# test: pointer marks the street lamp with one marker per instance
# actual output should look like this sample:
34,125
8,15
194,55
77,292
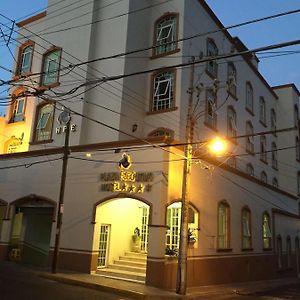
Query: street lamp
217,146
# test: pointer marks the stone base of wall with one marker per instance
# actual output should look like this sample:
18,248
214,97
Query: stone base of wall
219,270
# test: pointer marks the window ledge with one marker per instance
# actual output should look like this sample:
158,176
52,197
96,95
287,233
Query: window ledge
22,76
232,95
267,249
162,111
249,111
154,56
210,126
211,75
247,249
224,249
264,161
263,123
41,142
250,152
16,123
48,87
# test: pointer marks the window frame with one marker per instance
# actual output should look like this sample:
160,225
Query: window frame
231,122
275,182
273,119
250,170
173,44
297,148
262,111
288,252
55,83
249,139
14,115
266,232
249,98
211,51
263,149
274,156
279,252
225,244
172,91
296,116
211,119
246,240
35,139
19,64
232,80
264,177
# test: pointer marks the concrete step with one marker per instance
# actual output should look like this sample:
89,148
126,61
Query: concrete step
133,263
128,267
136,254
122,274
133,258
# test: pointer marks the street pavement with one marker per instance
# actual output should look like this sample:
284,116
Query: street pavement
25,282
19,282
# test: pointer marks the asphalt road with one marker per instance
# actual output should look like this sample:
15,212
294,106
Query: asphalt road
19,282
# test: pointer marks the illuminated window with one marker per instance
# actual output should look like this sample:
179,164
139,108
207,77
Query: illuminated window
231,79
212,51
249,138
246,228
249,97
166,34
231,122
51,64
262,110
266,231
223,225
44,122
210,109
163,91
25,59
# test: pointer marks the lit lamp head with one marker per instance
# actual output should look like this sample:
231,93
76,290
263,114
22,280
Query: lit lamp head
217,146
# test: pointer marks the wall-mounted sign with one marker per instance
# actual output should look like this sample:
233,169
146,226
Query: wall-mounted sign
126,181
62,129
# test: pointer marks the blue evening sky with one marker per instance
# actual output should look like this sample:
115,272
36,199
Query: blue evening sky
277,70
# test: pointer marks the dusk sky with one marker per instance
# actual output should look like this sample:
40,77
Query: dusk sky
282,68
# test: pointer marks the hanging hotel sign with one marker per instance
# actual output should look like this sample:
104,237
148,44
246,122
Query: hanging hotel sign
126,181
63,118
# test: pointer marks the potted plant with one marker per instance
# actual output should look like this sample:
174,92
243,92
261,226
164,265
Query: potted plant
136,240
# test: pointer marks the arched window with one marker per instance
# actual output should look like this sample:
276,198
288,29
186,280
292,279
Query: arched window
44,122
275,182
165,34
249,97
246,228
249,138
266,231
223,225
17,108
273,120
264,177
25,58
288,252
173,225
297,250
263,148
231,79
231,122
274,156
279,252
50,69
163,91
249,169
262,110
165,132
212,51
210,109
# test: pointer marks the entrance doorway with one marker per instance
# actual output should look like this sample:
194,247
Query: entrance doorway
121,227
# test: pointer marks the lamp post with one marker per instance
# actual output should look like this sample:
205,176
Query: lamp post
64,118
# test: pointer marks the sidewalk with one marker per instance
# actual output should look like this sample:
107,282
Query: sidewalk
143,292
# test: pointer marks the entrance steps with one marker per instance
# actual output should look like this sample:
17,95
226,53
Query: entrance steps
130,267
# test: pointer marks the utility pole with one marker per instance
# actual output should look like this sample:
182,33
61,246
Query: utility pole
60,210
183,244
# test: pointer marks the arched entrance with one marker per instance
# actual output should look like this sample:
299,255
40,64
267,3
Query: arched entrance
31,230
121,237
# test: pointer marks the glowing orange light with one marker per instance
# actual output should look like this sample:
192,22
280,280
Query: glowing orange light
218,146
